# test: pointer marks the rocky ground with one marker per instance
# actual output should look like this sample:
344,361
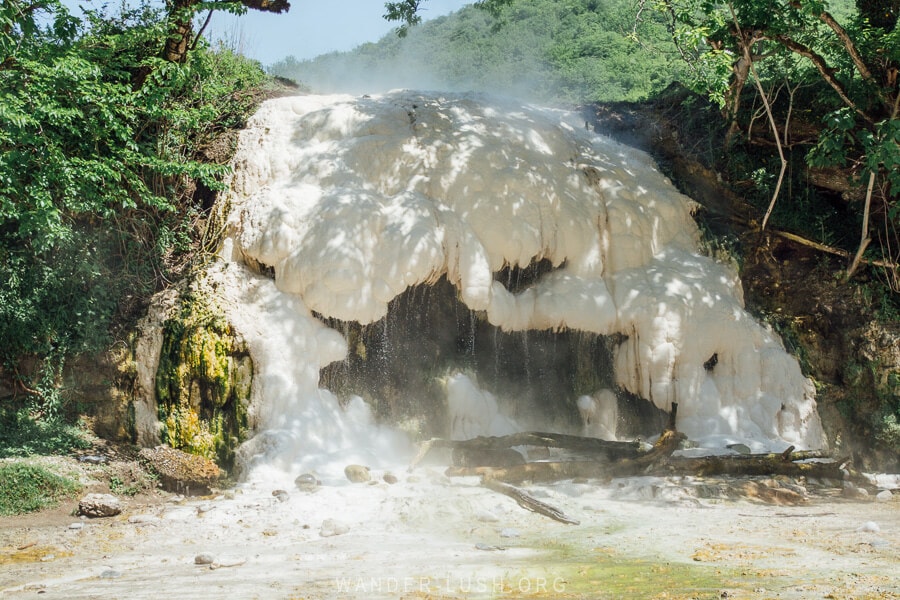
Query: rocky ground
428,536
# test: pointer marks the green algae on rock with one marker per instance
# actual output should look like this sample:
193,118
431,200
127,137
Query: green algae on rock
203,380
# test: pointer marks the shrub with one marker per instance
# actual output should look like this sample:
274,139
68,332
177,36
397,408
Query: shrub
27,488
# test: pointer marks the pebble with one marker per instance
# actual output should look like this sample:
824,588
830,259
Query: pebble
110,574
281,495
869,527
93,459
853,492
204,559
486,517
884,496
330,528
144,519
76,526
488,547
357,473
306,482
739,448
390,478
509,532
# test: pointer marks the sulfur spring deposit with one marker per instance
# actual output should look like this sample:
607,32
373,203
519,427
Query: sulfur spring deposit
415,265
340,204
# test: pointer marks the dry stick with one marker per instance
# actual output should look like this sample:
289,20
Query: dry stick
828,249
528,501
865,240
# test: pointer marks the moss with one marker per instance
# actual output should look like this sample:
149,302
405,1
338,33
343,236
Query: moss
570,570
204,379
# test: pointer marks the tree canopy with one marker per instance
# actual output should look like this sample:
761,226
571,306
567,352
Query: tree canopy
98,177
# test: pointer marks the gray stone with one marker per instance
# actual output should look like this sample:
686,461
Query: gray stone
99,505
488,547
869,527
330,528
144,519
486,516
739,448
854,493
884,496
281,495
357,473
390,478
204,559
306,482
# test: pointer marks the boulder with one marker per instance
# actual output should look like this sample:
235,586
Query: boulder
99,505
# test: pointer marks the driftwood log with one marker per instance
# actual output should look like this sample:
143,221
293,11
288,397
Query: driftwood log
600,459
528,501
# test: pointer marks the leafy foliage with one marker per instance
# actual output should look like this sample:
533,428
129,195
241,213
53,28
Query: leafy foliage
847,56
27,488
21,435
97,173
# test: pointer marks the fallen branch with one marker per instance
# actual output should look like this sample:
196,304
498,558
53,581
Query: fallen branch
527,501
830,250
749,465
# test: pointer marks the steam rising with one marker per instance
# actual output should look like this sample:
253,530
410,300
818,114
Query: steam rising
353,200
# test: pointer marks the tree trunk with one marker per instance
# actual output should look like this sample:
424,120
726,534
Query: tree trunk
180,29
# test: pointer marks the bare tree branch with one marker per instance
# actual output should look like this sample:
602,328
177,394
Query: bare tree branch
825,71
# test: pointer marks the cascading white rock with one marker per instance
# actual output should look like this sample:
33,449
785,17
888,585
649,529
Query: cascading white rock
352,200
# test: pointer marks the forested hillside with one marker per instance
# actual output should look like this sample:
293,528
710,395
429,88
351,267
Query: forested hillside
541,50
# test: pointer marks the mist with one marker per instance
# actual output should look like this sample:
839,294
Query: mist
537,53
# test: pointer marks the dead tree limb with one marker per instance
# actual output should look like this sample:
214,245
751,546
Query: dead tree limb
527,501
791,463
624,459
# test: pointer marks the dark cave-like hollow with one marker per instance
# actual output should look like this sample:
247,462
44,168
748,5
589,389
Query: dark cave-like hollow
396,365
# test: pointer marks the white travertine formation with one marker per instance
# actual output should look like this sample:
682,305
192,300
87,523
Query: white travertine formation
352,200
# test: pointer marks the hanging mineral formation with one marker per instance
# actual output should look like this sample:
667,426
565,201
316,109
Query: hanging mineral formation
351,200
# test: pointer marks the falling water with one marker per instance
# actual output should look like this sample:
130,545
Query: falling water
528,223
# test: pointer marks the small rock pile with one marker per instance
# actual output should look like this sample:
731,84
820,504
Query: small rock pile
181,472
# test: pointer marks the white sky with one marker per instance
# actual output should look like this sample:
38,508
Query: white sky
310,28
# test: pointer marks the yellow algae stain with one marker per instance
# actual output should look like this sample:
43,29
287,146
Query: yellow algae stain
36,553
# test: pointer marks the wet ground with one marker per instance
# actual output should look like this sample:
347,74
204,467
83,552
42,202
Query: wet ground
428,536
